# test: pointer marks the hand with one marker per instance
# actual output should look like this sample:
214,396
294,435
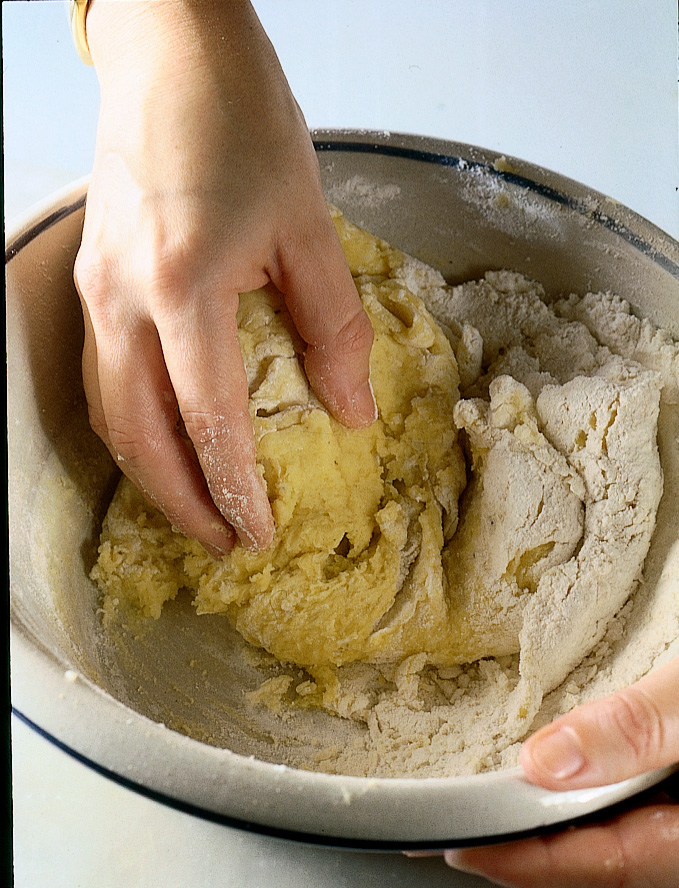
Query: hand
205,184
603,742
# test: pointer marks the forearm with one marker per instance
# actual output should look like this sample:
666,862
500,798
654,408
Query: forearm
152,33
166,45
186,76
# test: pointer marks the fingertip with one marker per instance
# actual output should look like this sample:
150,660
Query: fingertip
553,756
461,860
346,393
221,541
248,510
258,538
364,406
357,410
509,866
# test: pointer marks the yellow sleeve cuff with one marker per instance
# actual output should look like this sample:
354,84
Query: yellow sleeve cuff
78,14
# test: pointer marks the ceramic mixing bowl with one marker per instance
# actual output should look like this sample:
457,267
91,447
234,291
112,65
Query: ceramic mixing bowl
148,719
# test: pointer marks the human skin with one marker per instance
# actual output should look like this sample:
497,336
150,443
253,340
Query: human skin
205,184
603,742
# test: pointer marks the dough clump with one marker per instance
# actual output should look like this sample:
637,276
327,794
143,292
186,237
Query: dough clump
355,570
453,563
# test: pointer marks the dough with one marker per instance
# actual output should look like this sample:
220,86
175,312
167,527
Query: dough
439,573
355,571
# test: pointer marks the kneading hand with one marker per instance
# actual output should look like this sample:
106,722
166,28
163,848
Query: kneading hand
602,742
205,184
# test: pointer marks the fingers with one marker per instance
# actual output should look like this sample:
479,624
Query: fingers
205,364
623,735
133,409
638,848
328,314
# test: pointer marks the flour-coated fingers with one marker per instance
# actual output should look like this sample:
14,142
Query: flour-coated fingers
205,364
140,424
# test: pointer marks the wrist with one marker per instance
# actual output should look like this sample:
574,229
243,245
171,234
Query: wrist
173,53
167,67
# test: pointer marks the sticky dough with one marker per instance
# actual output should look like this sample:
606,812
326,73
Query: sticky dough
355,570
513,517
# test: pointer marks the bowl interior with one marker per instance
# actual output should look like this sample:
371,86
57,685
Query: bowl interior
458,208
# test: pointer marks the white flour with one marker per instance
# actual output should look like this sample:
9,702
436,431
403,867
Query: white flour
583,636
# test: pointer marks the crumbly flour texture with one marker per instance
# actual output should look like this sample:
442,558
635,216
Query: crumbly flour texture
473,564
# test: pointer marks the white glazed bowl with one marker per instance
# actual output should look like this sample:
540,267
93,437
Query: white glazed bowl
437,200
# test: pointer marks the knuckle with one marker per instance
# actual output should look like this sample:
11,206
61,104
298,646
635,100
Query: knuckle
97,422
637,720
611,868
168,278
356,336
136,445
179,298
92,275
614,859
151,282
171,263
204,427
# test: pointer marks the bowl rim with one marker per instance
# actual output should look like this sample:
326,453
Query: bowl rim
76,695
627,224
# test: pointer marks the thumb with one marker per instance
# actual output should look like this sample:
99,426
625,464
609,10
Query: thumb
609,740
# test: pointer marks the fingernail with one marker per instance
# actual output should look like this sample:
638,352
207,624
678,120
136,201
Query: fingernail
455,858
257,543
222,542
559,754
458,859
364,403
221,550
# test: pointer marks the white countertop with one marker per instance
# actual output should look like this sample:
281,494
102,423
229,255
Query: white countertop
587,88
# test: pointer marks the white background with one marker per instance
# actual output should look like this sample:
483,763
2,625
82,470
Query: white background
585,87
